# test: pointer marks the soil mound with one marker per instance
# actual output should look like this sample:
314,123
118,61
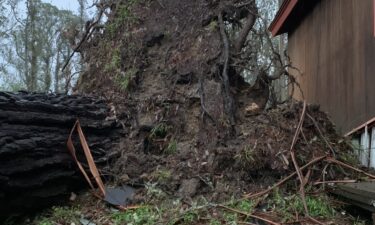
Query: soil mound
187,165
177,74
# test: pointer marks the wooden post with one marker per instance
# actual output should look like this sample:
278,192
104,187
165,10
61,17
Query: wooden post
364,150
372,148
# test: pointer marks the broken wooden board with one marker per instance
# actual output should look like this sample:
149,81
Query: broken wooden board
359,194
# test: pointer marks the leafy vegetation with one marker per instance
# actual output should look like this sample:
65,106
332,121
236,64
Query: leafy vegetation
124,15
162,210
159,131
115,62
128,76
244,205
171,148
59,215
318,206
162,175
246,156
144,215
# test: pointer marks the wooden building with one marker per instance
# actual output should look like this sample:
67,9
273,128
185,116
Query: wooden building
332,42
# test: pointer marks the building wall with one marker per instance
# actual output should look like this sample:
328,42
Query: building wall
334,49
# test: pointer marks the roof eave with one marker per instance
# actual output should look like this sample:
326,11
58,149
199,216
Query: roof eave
281,16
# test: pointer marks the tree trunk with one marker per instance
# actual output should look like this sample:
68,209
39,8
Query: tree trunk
36,169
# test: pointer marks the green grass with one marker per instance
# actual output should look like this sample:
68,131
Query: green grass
123,19
246,156
230,218
162,175
190,217
171,148
123,79
287,206
144,215
159,131
161,209
115,62
245,206
59,215
214,222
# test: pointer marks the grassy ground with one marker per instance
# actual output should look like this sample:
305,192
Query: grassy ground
161,210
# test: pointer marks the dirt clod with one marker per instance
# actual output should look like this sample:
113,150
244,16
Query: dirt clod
188,188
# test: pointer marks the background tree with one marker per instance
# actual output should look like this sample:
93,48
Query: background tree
37,47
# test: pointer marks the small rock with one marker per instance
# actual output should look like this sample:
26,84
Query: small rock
252,109
73,197
188,188
124,178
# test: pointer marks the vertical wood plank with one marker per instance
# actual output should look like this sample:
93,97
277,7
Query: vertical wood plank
334,46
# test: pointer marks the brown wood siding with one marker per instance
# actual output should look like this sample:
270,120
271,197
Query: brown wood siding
334,48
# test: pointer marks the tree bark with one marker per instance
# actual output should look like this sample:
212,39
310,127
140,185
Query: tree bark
36,169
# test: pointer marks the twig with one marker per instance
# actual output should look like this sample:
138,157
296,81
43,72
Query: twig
281,182
324,175
86,36
334,182
321,134
247,223
295,163
315,220
332,160
249,215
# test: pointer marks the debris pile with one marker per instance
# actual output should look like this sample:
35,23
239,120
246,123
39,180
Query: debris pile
253,160
177,74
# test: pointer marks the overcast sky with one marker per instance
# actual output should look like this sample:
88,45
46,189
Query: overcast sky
71,5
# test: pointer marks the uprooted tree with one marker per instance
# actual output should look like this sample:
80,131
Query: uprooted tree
171,52
188,83
189,90
181,69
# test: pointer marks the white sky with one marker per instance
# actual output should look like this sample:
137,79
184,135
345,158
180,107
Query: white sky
71,5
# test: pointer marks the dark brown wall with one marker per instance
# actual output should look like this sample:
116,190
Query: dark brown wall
334,47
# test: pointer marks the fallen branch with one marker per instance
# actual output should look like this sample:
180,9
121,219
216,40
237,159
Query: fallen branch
295,163
86,36
324,172
247,223
321,134
249,215
334,182
335,161
281,182
315,221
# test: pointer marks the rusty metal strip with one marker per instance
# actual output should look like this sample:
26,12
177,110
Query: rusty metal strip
90,160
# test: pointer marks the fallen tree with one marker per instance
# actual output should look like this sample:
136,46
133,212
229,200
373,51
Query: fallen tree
36,168
183,78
